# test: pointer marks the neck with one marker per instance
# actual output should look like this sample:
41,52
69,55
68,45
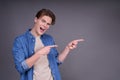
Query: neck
34,33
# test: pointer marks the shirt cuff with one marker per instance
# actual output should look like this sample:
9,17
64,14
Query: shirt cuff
24,65
59,62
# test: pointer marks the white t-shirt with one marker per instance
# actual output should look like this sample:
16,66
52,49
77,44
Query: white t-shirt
42,70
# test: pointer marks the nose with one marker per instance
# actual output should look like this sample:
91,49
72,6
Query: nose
46,25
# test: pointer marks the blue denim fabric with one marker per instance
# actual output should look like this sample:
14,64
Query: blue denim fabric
23,48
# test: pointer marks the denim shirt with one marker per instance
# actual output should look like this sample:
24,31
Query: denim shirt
23,48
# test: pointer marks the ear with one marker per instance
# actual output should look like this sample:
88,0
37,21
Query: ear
35,19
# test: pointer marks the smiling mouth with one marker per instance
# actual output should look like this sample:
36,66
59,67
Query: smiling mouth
42,29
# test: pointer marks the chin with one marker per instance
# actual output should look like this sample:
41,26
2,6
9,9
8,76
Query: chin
41,33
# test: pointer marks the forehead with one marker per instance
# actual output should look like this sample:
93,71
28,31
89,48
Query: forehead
46,18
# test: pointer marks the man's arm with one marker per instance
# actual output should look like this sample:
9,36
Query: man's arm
72,45
23,64
45,50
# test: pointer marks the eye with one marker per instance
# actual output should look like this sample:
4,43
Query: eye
48,24
43,21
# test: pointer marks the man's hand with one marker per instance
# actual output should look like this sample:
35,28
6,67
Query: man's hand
46,49
73,44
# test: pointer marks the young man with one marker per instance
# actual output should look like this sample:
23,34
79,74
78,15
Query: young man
35,54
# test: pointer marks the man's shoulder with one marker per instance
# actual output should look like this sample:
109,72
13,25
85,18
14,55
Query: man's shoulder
47,36
21,36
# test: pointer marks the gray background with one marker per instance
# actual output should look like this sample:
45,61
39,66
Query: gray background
98,22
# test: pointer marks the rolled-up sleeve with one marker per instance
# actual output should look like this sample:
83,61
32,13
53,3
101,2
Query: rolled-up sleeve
56,55
55,51
19,56
59,62
24,65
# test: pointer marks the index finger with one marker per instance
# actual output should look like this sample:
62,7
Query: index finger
79,40
52,46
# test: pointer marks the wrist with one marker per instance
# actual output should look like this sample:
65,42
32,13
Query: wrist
67,48
38,54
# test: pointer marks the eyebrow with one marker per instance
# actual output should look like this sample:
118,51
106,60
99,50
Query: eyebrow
46,21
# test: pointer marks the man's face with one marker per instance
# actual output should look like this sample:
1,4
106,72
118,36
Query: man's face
42,24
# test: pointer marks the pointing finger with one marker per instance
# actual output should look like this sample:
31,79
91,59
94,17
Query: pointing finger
79,40
52,46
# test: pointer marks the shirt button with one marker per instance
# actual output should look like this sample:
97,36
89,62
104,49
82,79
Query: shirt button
33,40
32,51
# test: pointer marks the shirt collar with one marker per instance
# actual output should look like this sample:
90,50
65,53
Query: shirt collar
30,34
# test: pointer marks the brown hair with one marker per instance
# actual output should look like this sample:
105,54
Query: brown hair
46,12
